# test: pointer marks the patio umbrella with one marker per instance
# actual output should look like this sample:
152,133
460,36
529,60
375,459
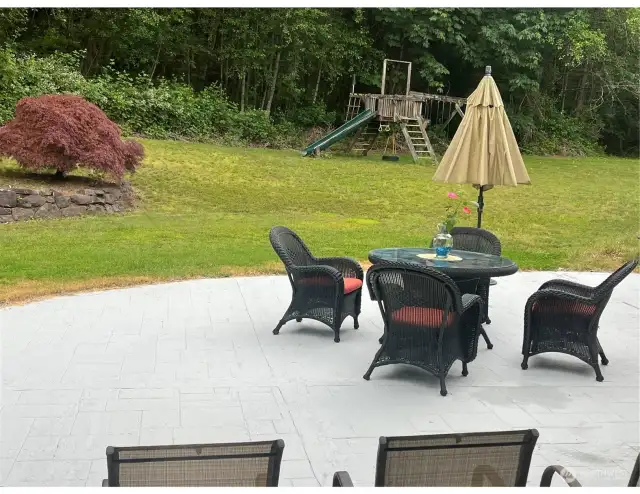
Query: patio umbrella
484,151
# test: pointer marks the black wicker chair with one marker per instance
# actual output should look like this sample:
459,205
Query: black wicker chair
563,316
427,322
571,481
492,459
478,240
327,289
255,464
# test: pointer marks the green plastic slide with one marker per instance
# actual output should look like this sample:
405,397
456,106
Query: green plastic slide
341,132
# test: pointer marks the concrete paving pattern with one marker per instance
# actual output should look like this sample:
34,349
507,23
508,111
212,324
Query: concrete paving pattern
195,362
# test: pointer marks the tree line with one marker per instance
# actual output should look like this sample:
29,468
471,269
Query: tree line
570,77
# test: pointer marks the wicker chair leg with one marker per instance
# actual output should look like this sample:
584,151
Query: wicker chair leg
603,357
336,338
280,324
486,338
380,340
525,362
599,376
356,325
298,319
443,387
487,320
465,371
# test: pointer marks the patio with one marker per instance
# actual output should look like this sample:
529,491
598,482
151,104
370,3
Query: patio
196,361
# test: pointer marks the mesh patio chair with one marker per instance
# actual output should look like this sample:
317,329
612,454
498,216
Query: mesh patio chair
491,459
255,464
427,323
563,317
324,289
571,481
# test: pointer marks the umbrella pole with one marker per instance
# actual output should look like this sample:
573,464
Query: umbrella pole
480,206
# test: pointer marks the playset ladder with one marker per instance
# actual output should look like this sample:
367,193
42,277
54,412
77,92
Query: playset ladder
364,138
415,133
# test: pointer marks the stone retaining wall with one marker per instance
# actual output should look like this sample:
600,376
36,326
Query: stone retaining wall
23,204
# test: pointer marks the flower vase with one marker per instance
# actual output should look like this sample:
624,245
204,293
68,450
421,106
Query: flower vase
442,242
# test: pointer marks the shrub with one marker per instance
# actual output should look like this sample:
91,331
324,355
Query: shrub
65,131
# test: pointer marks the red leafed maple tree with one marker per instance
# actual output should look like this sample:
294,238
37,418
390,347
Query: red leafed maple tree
61,132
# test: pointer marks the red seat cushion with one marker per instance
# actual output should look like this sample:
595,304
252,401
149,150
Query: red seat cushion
350,284
556,307
421,316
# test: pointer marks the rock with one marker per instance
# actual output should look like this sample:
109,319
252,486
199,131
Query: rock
5,211
50,199
62,201
48,211
32,201
98,192
89,192
22,213
97,200
48,192
81,199
109,199
8,198
26,192
73,211
116,194
95,209
6,219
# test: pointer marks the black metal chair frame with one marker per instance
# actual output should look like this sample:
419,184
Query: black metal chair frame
567,326
272,474
571,481
317,283
462,333
343,479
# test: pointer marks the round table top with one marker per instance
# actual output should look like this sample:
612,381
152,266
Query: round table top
472,263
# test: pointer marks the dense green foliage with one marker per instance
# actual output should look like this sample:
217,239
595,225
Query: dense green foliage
569,76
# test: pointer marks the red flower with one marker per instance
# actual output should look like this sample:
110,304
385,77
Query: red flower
466,210
452,195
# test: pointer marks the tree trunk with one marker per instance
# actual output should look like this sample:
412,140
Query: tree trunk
243,87
315,91
272,90
582,89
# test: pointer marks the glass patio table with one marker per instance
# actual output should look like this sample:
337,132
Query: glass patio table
472,264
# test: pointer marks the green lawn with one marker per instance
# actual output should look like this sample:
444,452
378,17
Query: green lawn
206,211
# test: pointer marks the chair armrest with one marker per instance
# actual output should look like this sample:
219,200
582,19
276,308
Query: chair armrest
566,475
342,479
468,300
105,483
567,286
349,268
324,278
549,294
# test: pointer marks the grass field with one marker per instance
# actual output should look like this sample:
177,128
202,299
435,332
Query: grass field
206,211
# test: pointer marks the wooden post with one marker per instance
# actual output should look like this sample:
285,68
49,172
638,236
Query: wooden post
384,75
353,84
408,78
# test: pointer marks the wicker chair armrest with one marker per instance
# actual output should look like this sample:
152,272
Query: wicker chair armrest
557,294
566,475
568,286
468,300
329,281
105,483
350,268
342,479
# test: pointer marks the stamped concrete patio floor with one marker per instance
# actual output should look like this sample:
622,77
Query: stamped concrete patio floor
196,362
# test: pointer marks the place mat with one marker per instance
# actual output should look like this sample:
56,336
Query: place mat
433,256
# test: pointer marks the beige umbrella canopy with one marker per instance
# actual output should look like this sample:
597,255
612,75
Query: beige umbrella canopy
484,151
